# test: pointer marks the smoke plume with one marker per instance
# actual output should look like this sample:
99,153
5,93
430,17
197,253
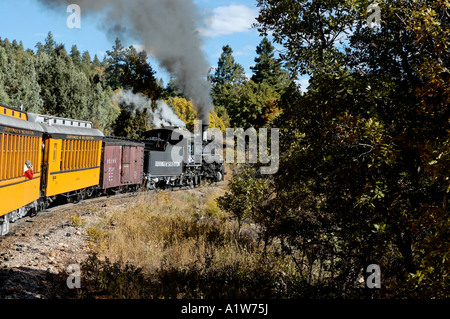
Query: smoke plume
167,29
161,115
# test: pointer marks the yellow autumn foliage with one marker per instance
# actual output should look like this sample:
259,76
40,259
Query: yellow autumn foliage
187,112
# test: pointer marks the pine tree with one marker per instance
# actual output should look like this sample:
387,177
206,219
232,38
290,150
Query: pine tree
18,78
75,55
268,69
86,59
4,97
172,90
96,62
228,76
28,88
228,71
114,65
97,74
50,44
138,74
102,111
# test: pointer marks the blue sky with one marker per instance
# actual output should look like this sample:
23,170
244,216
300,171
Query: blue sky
223,22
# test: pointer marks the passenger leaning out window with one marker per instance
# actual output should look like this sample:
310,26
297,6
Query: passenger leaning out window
28,170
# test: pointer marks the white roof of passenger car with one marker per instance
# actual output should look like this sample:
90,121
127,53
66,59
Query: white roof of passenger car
59,125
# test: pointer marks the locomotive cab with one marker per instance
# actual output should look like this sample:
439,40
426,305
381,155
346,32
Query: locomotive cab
166,155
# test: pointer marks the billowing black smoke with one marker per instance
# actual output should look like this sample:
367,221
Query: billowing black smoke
167,29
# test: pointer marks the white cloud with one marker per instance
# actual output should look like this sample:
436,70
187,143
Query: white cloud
229,20
44,35
100,54
241,53
246,51
250,48
40,34
304,83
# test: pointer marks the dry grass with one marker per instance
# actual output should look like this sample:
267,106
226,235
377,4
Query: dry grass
184,246
179,244
176,228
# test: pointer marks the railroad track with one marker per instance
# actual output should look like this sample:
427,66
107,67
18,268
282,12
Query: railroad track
17,227
35,255
38,250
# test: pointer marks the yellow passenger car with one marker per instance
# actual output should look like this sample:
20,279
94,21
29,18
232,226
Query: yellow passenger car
72,156
20,141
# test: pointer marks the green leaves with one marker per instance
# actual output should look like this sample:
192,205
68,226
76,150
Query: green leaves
227,71
249,103
18,78
56,83
246,194
365,156
268,69
307,29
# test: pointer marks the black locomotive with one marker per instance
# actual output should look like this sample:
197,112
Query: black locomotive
174,157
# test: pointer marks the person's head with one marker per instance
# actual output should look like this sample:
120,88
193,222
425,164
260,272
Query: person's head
28,164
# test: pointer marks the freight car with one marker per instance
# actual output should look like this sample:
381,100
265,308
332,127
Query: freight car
43,158
122,166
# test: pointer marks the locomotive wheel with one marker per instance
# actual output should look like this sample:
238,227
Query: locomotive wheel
4,225
90,192
79,196
218,176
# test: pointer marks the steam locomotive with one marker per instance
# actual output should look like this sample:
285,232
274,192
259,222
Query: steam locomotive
44,158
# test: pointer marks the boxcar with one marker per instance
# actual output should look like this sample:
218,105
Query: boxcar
122,165
71,158
20,141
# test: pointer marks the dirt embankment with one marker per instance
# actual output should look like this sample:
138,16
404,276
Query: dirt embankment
35,255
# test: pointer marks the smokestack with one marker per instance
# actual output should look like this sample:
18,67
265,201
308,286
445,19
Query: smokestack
168,31
205,127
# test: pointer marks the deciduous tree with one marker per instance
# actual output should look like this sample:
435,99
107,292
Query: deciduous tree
363,175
